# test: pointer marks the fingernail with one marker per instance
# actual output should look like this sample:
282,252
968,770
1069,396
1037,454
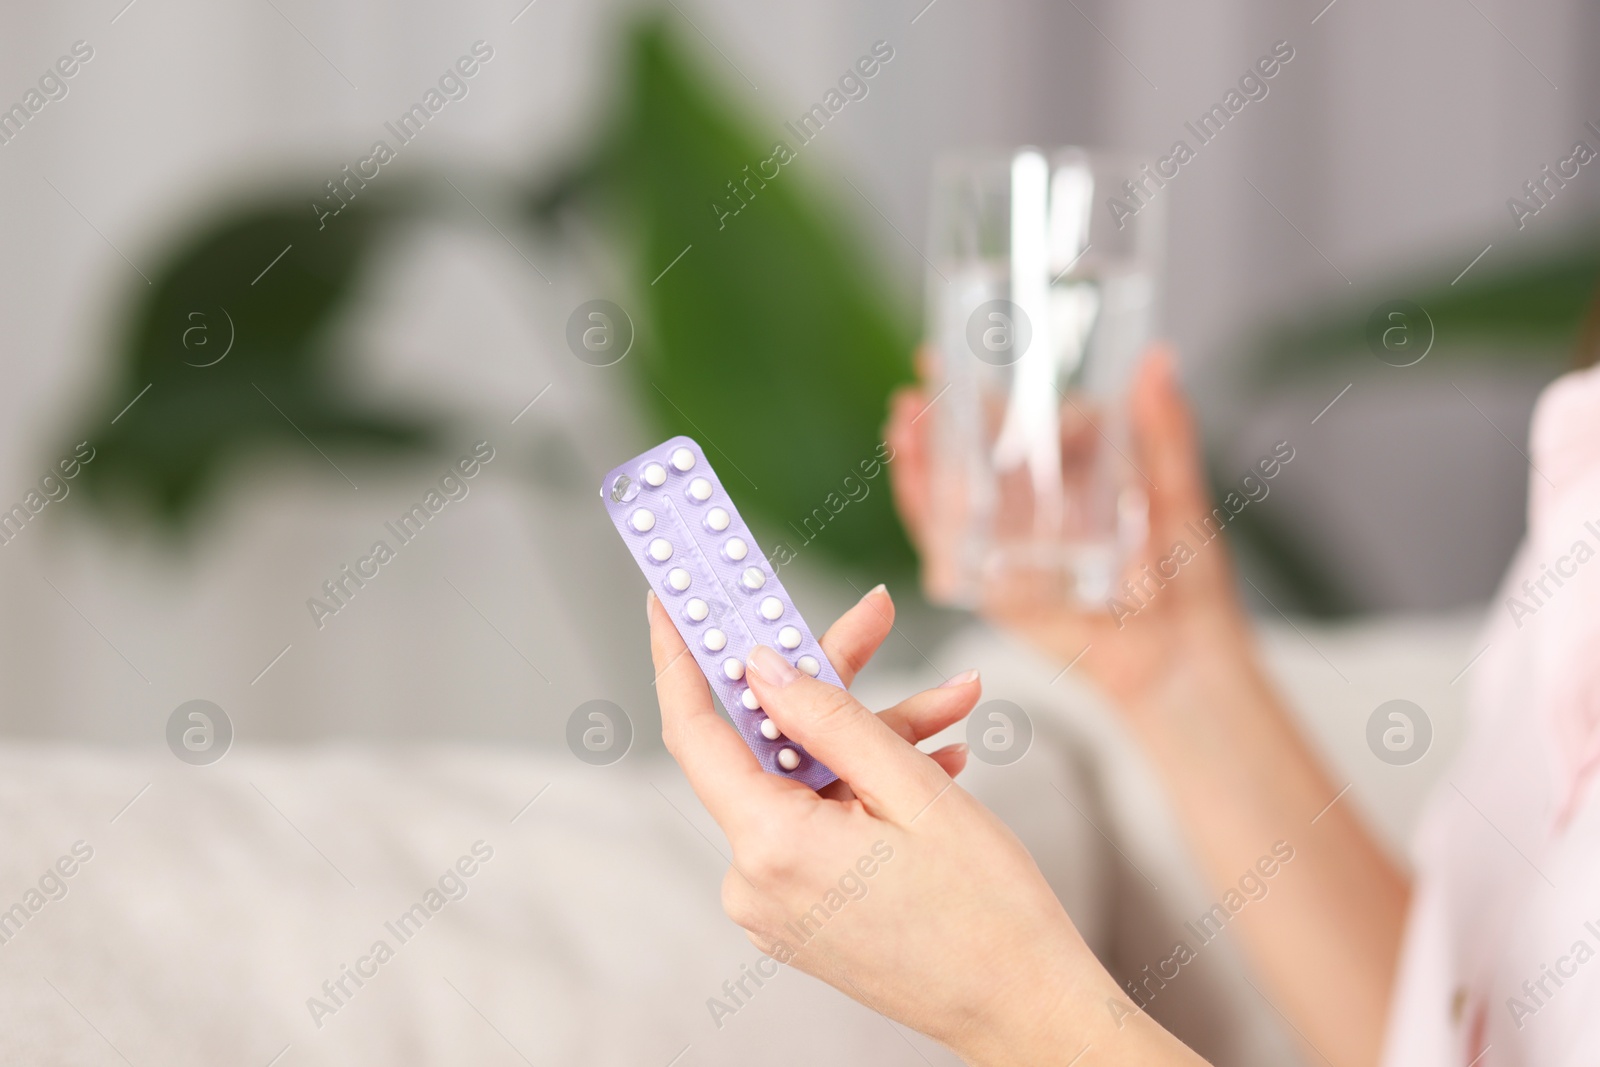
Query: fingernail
1167,368
964,678
772,667
649,599
879,588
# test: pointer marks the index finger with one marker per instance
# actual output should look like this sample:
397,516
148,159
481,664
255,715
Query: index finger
889,775
721,769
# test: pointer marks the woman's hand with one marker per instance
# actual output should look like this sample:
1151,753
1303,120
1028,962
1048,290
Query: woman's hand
899,888
1170,631
1177,659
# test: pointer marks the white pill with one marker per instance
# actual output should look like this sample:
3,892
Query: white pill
788,758
696,609
717,519
643,520
753,578
769,730
682,458
748,699
678,578
660,550
736,549
700,490
771,608
715,639
809,665
654,474
733,668
789,637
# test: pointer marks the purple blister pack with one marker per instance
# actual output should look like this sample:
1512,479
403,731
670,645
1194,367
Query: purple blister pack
701,559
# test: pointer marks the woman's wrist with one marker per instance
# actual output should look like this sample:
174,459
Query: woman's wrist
1212,681
1065,1005
1086,1018
1211,694
1038,1019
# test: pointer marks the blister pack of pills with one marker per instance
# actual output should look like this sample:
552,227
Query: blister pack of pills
701,559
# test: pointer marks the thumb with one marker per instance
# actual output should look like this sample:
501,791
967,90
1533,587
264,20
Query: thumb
1180,502
891,777
1167,442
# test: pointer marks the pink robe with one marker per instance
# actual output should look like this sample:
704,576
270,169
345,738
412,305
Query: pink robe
1501,963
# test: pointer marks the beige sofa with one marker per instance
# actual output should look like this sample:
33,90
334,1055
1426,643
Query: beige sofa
218,900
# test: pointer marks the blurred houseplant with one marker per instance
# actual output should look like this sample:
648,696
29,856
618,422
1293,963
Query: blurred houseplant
771,339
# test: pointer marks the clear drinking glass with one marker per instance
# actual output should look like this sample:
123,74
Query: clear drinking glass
1042,296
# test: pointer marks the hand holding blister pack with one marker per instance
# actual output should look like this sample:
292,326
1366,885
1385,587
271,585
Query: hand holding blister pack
703,563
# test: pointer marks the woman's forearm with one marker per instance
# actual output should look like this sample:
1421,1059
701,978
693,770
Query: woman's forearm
1083,1020
1325,933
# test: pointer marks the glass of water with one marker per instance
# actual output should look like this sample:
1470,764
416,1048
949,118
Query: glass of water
1042,296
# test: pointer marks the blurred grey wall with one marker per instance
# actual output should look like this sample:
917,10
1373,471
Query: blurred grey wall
1394,136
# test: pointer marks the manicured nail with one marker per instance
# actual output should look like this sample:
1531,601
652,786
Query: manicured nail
773,668
1167,370
879,588
964,678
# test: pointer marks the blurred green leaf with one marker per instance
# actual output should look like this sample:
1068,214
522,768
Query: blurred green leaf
1525,308
768,337
229,354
